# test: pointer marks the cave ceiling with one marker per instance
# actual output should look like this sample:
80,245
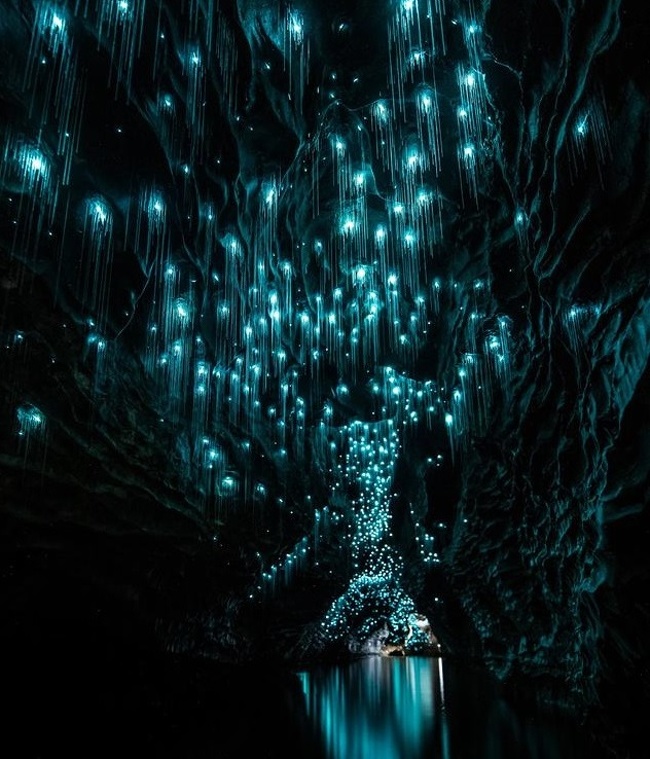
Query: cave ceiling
352,292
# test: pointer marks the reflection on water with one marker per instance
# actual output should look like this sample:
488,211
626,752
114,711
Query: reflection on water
377,707
416,707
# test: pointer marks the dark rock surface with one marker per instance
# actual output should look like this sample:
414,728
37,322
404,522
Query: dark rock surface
168,176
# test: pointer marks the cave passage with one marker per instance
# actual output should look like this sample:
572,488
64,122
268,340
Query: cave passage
325,333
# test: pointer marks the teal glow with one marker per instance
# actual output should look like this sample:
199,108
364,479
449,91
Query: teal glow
377,708
427,708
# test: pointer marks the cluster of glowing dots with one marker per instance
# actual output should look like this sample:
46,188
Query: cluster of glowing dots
99,213
426,543
350,614
374,296
31,421
35,169
52,24
280,574
370,453
578,319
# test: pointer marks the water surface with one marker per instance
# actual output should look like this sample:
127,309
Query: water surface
416,707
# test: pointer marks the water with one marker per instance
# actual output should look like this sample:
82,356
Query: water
413,707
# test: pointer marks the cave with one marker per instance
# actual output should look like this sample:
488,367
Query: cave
324,339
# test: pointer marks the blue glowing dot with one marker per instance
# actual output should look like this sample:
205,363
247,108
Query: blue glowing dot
412,160
348,226
381,111
181,310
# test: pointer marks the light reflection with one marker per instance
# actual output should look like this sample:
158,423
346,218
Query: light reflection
421,707
375,708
